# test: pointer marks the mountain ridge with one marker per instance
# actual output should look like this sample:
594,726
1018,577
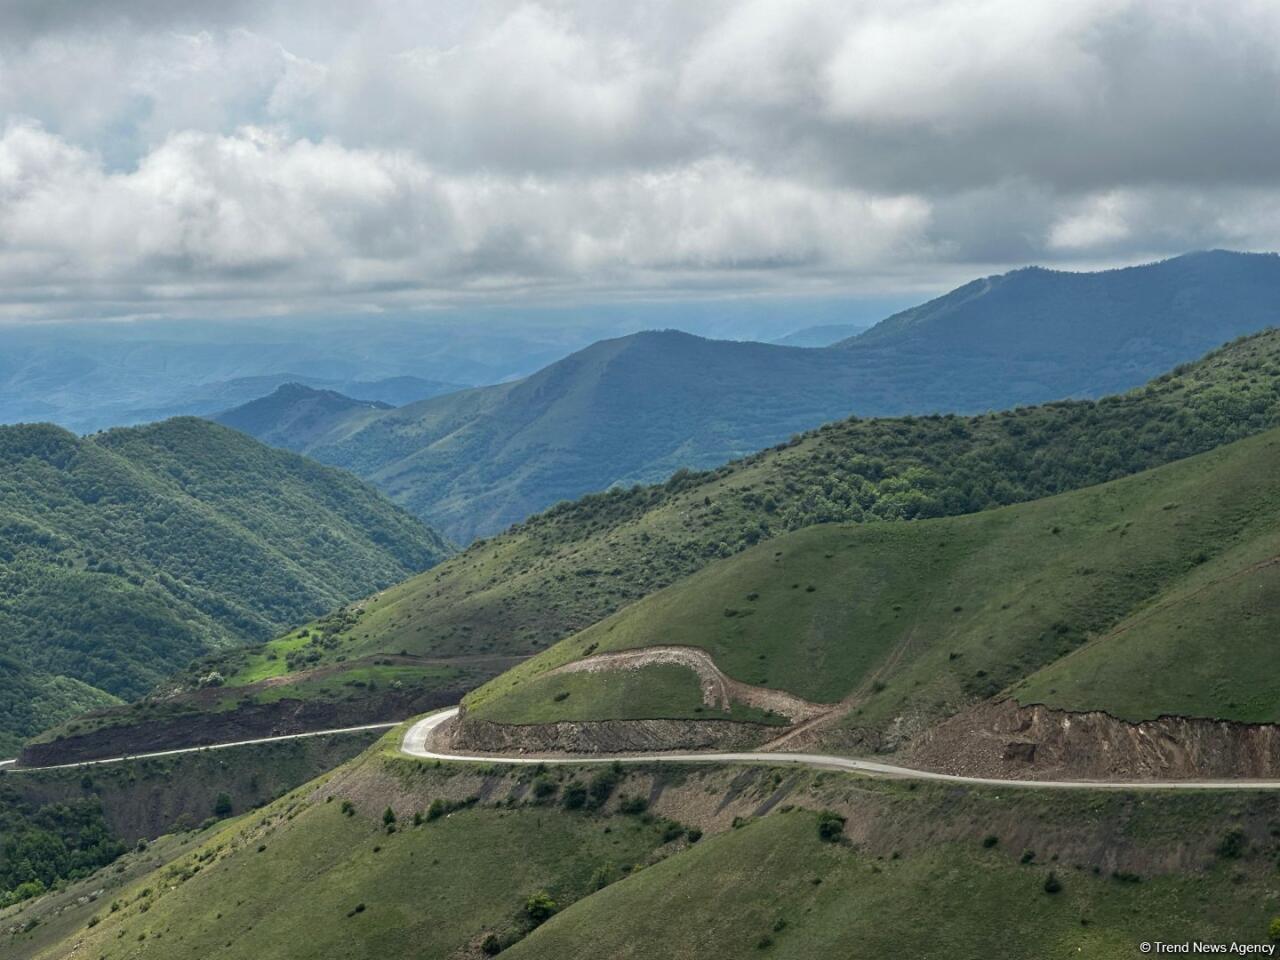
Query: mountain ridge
635,409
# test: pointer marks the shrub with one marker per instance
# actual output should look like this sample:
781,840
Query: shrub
222,805
388,816
540,907
1233,845
1051,883
543,787
694,834
436,810
990,841
348,808
672,831
830,826
1274,929
575,796
633,805
491,946
602,786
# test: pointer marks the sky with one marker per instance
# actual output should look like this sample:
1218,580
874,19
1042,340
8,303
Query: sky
182,158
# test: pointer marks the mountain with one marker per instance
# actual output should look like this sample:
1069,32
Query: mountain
1048,334
635,409
127,553
562,571
1148,598
205,399
823,335
296,417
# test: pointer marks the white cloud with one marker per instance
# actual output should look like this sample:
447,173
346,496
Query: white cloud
398,150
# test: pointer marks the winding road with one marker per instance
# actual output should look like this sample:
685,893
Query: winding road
417,739
417,743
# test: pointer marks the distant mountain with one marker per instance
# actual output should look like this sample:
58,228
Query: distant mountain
296,417
637,408
822,336
126,554
1037,334
209,398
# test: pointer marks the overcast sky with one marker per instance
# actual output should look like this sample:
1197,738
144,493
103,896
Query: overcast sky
186,157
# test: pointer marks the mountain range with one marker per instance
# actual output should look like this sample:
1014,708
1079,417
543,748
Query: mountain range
636,408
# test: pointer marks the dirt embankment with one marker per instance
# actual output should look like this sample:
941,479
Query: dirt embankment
469,734
1004,739
167,730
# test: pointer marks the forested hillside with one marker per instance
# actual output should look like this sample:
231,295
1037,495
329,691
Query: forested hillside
128,553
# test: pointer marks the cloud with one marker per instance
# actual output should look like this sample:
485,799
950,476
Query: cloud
157,155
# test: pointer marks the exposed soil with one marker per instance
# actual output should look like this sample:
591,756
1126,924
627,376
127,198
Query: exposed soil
472,735
1004,739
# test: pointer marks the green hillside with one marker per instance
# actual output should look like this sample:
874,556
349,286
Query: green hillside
637,408
128,553
564,570
388,857
921,618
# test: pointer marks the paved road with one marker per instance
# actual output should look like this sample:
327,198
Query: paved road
208,746
416,739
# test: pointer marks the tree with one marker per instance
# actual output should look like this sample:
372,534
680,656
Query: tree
388,816
222,805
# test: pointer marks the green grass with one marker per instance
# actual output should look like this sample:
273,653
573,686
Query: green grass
916,877
773,889
656,692
426,891
921,618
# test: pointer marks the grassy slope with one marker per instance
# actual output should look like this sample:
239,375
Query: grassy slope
823,900
656,692
129,552
428,890
943,611
916,876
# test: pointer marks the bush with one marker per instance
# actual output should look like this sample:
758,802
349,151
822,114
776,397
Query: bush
540,907
1274,929
388,816
436,810
990,841
575,796
1233,845
694,834
491,946
222,805
543,788
602,786
1051,883
348,808
633,805
830,826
